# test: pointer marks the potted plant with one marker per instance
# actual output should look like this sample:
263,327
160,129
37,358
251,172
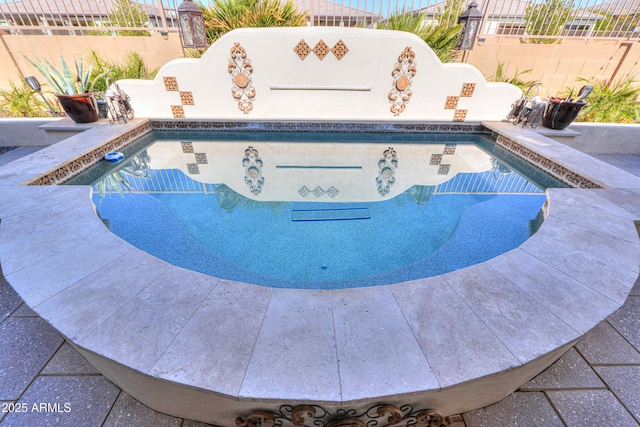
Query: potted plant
73,91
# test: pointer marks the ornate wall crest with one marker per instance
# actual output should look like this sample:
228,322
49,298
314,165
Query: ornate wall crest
403,72
252,165
240,69
383,415
387,166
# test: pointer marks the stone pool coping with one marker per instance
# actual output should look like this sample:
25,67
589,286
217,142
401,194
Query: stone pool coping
196,346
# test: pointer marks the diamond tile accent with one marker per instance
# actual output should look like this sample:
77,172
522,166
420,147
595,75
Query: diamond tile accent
186,98
321,49
452,103
436,159
304,191
170,83
450,149
340,49
459,115
444,169
467,89
302,49
187,147
178,111
332,191
201,158
193,168
318,191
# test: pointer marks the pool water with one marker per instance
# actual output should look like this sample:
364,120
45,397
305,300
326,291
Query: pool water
319,215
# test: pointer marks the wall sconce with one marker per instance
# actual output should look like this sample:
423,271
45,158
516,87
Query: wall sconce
471,25
34,84
192,29
164,34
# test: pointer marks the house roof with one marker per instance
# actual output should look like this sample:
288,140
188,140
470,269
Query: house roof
616,8
328,8
69,8
507,8
101,8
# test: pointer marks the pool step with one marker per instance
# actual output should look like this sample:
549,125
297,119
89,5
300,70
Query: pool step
329,214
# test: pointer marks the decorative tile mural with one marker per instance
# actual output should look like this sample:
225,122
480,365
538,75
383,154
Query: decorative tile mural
403,72
240,69
467,89
444,169
186,97
187,147
321,49
302,49
252,164
387,166
452,103
318,191
201,158
340,49
459,115
193,168
449,149
177,111
170,83
435,160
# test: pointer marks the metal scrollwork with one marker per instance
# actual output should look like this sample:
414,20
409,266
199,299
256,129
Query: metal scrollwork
240,69
257,419
403,72
381,415
431,418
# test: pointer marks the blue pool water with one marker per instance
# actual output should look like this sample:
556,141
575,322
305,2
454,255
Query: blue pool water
312,239
401,240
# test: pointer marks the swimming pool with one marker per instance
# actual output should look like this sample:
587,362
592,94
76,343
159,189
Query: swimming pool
320,210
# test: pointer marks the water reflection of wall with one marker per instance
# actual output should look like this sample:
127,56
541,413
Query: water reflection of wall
335,172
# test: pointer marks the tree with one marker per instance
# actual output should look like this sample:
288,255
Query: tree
548,19
225,15
127,13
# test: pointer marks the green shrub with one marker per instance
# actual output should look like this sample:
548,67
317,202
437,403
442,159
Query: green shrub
21,101
615,103
133,67
500,76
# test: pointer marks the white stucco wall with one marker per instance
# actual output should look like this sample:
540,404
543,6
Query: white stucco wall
355,87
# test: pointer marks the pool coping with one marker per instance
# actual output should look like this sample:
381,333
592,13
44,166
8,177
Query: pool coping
109,300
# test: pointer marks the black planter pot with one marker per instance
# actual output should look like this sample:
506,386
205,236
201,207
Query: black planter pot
81,108
560,114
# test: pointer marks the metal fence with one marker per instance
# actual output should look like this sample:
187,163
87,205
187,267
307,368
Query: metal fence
537,21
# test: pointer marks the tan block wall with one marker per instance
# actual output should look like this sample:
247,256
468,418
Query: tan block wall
155,50
556,66
559,65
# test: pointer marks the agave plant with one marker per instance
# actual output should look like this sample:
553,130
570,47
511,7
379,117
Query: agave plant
62,81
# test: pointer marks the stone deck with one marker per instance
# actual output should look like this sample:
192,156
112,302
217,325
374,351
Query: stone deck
454,342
